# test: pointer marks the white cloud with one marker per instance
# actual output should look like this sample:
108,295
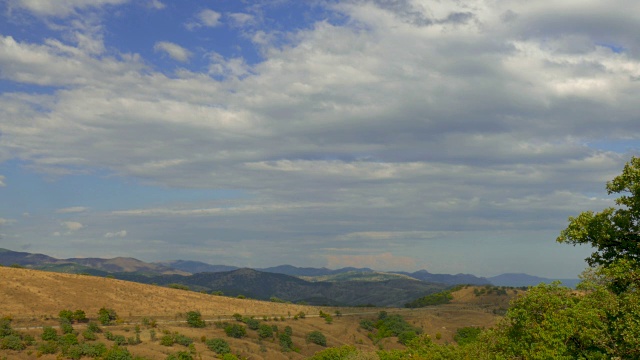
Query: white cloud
404,120
241,19
156,4
61,7
70,210
205,18
2,183
175,51
71,226
120,234
6,221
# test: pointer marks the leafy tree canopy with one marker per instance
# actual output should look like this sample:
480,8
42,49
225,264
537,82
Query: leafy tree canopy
613,232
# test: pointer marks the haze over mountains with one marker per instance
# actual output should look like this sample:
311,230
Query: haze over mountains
321,286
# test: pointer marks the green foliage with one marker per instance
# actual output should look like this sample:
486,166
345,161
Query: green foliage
49,333
219,346
107,316
337,353
286,344
237,317
65,326
181,355
175,338
80,316
467,335
367,324
288,330
443,297
229,357
252,324
613,232
89,335
265,331
5,327
235,331
178,286
12,342
194,319
49,347
93,327
406,336
316,337
118,353
66,315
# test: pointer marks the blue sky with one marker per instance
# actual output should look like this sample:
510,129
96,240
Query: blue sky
397,135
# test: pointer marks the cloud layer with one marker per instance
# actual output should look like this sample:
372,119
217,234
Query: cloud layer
376,127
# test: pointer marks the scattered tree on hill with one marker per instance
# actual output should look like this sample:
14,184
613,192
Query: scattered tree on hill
107,316
219,346
194,319
316,337
235,331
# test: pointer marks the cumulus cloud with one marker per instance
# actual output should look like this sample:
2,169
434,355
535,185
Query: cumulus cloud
4,221
61,8
117,234
71,210
71,226
205,18
175,51
402,122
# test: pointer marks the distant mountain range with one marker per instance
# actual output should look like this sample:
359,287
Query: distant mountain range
140,270
518,280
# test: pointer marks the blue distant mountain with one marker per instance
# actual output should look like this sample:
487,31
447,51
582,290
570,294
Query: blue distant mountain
518,280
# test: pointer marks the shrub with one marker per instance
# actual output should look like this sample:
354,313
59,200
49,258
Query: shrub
117,353
68,340
343,352
5,327
107,316
80,316
178,286
181,355
12,342
252,324
66,315
93,327
167,340
49,333
367,324
237,316
316,337
265,331
194,319
89,335
182,339
219,346
65,326
467,335
235,331
285,342
288,330
49,347
406,336
229,357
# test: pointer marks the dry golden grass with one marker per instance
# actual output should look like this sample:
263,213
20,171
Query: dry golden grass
34,298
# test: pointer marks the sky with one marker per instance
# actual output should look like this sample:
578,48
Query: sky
451,136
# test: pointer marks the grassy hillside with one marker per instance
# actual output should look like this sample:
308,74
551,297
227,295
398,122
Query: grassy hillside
34,298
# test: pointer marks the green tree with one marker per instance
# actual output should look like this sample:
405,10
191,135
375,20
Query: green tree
107,316
219,346
317,337
194,319
613,232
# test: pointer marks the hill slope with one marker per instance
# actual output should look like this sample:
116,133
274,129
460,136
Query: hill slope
262,285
